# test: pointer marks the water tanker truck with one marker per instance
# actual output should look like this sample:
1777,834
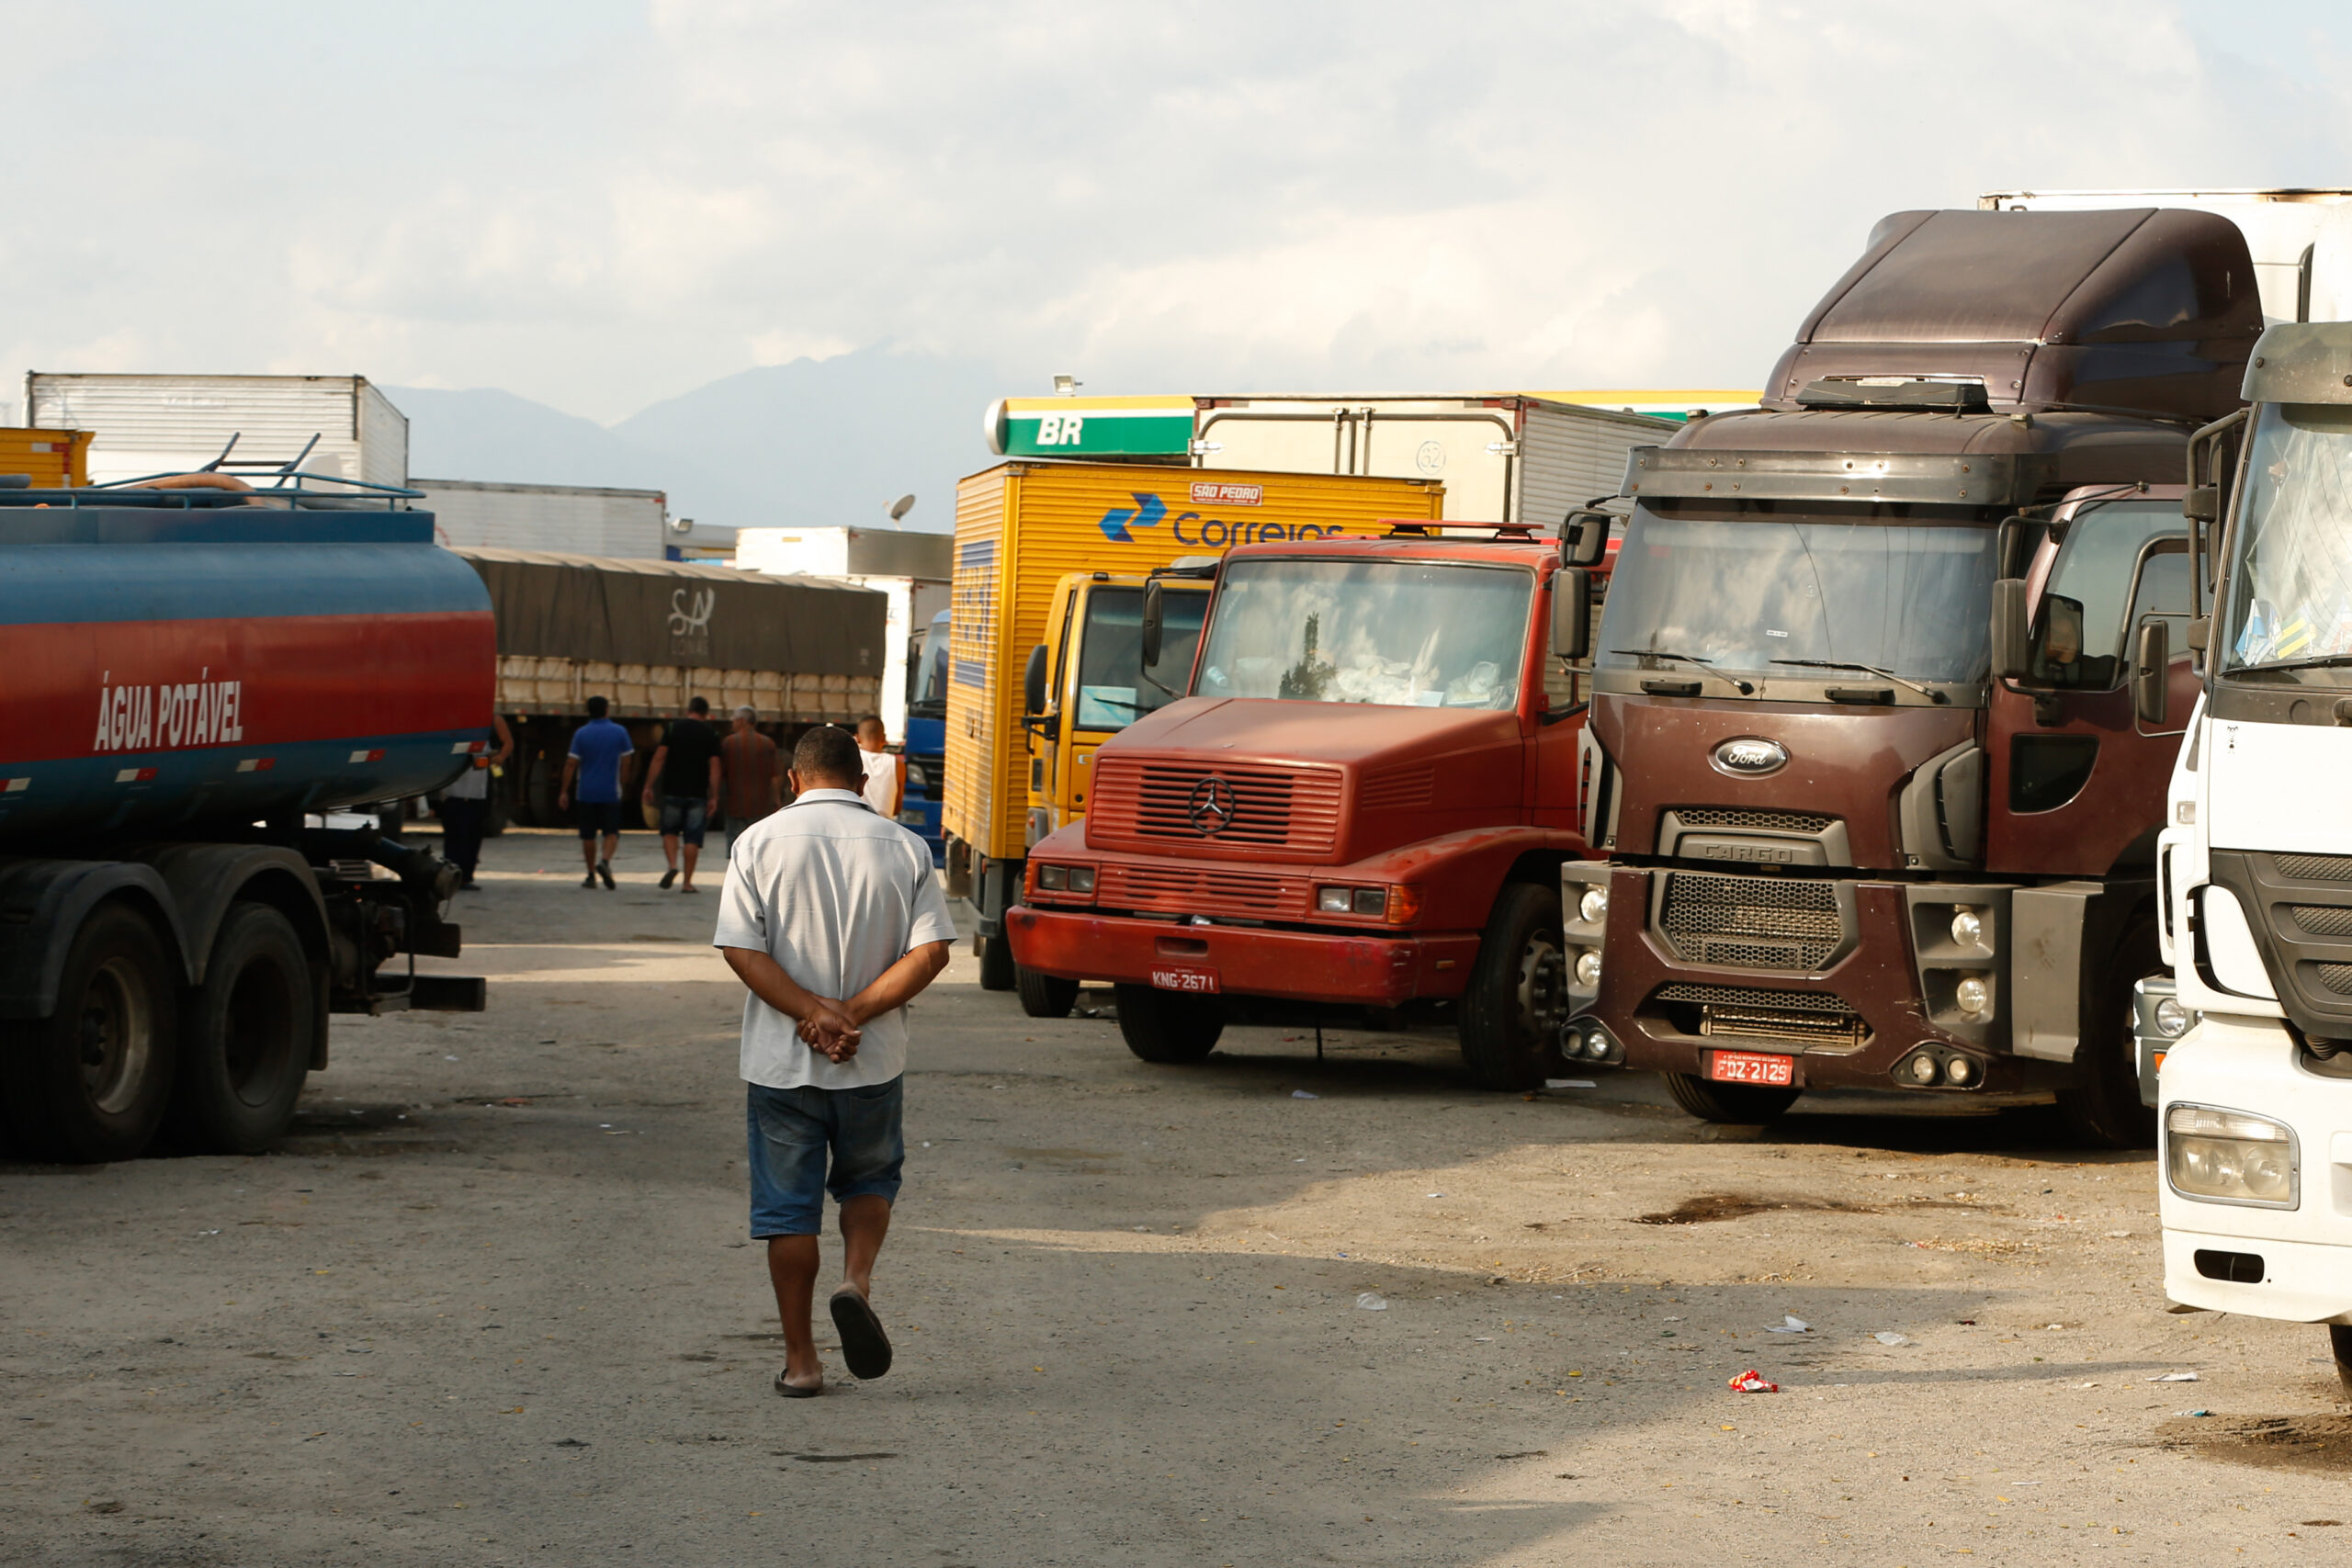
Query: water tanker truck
200,675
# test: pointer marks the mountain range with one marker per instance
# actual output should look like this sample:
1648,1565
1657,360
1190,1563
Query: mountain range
808,444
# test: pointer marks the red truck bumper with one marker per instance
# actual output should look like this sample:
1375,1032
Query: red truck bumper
1370,971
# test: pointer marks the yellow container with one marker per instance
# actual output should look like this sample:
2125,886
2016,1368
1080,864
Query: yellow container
1020,528
57,460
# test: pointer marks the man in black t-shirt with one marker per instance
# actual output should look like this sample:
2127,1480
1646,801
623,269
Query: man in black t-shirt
686,775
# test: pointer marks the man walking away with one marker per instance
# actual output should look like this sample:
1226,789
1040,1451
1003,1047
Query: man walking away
754,783
465,806
832,919
881,787
601,755
685,771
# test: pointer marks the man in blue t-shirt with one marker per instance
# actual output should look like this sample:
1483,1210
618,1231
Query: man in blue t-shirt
601,756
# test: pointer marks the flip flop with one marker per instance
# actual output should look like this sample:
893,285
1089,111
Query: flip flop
793,1390
668,877
864,1345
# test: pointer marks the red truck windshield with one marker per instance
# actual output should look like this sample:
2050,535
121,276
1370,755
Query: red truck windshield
1393,633
1912,598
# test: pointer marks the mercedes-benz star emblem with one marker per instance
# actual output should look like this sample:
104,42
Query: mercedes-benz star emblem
1211,808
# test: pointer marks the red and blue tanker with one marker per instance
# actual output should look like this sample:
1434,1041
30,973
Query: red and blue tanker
196,674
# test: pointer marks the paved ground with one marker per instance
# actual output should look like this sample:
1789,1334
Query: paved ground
495,1305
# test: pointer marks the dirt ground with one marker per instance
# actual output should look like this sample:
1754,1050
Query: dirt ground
494,1303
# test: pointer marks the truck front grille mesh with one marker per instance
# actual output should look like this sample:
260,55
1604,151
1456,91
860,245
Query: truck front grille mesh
1754,821
2322,919
2336,978
2314,868
1748,1012
1751,922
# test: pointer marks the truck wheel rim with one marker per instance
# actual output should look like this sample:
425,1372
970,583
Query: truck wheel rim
118,1037
1542,988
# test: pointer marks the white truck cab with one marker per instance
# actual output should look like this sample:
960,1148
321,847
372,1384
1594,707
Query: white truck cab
2253,1047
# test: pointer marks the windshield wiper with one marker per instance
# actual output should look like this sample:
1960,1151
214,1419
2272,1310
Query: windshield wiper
2315,661
1742,687
1933,696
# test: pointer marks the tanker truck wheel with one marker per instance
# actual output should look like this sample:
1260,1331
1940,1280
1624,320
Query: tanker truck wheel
998,971
91,1082
2339,1340
1167,1026
1517,994
2102,1105
1733,1104
250,1031
1044,995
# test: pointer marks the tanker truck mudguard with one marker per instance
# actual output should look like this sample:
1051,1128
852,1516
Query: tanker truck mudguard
2255,1089
1359,808
1892,676
196,677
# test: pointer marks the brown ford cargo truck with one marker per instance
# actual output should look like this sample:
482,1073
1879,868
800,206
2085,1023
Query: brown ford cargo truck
1362,803
1887,690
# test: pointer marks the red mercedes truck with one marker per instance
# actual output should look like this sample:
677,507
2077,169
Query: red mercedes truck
1892,674
1362,802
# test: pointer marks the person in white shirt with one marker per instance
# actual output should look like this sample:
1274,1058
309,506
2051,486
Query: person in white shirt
881,789
832,918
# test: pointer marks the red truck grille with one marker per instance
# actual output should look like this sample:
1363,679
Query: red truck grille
1295,811
1197,890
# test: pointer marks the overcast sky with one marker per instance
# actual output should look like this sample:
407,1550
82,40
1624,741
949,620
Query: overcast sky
602,203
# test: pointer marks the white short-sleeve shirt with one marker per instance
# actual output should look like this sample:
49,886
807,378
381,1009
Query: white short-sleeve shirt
835,894
882,780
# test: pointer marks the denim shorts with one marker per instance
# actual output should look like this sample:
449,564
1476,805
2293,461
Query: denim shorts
793,1130
681,818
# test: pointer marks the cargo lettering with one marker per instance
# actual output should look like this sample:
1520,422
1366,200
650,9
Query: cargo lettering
190,713
1061,430
1217,532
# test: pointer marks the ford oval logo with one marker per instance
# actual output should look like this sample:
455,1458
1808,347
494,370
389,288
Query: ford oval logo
1749,756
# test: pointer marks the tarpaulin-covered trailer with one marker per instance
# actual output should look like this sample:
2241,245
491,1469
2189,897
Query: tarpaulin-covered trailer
649,635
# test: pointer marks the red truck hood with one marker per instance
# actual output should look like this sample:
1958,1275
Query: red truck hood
1326,783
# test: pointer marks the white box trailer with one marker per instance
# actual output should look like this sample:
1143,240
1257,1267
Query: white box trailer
915,570
2300,238
152,424
581,520
1509,458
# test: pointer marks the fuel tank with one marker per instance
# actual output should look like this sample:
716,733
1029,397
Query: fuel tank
172,667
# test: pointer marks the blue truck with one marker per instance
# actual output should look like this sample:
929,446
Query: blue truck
926,744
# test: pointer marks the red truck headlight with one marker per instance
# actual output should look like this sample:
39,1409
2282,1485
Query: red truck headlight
1351,900
1065,879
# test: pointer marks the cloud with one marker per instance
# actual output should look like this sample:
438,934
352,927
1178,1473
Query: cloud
601,206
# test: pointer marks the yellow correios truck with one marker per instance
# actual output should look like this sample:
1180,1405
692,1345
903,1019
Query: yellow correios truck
1054,556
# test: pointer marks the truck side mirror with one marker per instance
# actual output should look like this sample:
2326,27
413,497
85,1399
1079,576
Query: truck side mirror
2152,674
2012,639
1155,607
1033,682
1572,614
2057,642
1583,536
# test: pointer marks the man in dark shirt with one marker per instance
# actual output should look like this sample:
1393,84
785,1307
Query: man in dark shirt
685,774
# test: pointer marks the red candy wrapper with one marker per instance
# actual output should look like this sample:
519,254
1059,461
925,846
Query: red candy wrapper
1752,1381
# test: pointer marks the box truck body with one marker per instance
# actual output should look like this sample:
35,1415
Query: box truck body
582,520
154,424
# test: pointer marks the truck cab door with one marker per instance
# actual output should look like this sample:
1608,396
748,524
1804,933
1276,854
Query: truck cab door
1559,698
2076,781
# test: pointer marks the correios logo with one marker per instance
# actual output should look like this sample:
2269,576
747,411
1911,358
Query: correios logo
1149,512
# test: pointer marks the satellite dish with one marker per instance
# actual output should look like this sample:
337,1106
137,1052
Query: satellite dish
901,506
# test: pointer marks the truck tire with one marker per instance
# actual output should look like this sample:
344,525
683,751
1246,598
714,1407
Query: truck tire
996,967
1733,1104
1045,995
2339,1341
246,1037
2102,1104
1512,1011
90,1083
543,775
1167,1026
